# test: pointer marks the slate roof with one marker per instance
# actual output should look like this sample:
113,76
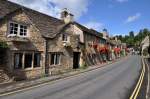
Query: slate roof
85,29
47,25
90,31
7,7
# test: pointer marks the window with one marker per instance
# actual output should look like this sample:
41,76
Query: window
18,30
28,60
64,37
18,60
37,58
13,29
23,30
55,59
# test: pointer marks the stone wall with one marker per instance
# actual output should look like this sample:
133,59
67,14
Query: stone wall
35,43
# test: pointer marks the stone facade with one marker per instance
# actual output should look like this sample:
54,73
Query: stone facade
33,44
50,46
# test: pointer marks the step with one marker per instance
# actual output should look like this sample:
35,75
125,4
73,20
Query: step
3,76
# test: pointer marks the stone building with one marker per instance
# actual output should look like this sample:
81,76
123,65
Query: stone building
40,44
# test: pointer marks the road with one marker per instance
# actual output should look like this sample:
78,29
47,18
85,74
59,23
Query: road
113,81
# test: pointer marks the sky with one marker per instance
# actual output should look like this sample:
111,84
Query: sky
119,17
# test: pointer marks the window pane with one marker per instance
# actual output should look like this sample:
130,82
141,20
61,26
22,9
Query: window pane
57,59
37,58
21,26
18,60
25,27
11,24
64,37
11,32
28,60
16,25
52,59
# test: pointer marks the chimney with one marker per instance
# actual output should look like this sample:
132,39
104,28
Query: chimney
66,16
116,39
105,34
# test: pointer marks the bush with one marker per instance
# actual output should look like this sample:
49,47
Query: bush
84,66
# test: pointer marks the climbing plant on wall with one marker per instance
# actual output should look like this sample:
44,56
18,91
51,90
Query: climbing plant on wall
3,44
3,47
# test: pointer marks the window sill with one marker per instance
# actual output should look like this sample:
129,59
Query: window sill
51,66
66,41
13,35
28,69
17,38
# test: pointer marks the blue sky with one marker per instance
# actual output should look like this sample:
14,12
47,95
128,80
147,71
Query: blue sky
117,16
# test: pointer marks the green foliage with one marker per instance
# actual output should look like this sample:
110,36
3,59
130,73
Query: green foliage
83,66
134,40
131,34
3,44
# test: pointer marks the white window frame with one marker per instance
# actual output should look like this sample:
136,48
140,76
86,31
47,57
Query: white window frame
23,30
18,31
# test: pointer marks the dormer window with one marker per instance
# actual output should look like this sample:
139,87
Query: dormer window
65,38
17,30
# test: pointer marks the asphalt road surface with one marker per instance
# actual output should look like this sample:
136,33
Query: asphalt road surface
110,82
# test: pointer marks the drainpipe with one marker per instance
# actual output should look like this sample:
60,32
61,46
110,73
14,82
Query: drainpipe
46,66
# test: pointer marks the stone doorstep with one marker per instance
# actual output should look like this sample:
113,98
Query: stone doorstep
9,87
3,77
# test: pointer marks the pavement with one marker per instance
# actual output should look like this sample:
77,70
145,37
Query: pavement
12,87
113,81
148,78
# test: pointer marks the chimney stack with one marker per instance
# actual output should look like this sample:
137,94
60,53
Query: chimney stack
105,34
66,16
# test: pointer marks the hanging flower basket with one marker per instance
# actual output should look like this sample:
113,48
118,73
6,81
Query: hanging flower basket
103,50
95,46
117,50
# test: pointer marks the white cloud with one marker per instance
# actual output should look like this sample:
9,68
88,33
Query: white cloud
94,25
53,7
133,18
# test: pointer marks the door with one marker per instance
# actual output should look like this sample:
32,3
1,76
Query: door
76,58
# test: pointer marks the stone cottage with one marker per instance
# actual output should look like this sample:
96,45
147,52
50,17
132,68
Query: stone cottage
40,44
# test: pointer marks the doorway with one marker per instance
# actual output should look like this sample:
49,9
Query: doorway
76,58
3,56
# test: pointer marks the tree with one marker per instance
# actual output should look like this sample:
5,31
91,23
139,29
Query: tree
145,32
134,40
131,34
